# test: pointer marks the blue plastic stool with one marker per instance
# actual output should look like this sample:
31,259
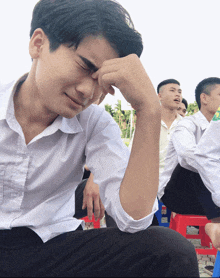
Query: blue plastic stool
216,271
161,214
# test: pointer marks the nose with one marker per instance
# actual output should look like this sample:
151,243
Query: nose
87,87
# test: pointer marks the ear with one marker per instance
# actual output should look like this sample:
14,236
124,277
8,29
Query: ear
204,98
37,41
159,96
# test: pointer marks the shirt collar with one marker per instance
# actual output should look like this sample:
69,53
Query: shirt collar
178,117
201,119
7,108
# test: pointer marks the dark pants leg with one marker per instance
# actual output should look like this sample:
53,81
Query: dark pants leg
79,213
155,252
185,193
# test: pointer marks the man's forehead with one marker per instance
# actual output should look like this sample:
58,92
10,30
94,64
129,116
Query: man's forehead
182,105
170,85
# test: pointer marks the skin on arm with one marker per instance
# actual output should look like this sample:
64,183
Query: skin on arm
139,187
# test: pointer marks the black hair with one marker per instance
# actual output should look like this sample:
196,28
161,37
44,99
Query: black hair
205,86
184,101
165,82
70,21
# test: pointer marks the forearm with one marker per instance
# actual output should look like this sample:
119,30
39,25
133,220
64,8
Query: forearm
140,184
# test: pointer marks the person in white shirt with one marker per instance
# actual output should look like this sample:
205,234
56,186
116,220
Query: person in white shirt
183,108
170,96
181,188
207,158
50,129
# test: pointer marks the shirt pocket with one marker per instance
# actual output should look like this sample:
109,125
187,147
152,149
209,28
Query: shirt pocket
2,175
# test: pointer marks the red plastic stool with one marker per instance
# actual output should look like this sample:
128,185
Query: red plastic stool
96,224
179,224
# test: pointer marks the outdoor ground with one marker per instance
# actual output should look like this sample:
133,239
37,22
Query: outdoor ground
203,260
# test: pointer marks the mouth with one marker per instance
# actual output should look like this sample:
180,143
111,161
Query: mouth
75,101
177,100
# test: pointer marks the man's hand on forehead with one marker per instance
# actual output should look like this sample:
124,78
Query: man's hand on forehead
129,76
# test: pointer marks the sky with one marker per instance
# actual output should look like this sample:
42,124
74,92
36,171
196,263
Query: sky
181,40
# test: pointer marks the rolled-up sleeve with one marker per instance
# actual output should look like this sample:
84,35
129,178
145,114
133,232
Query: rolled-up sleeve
107,158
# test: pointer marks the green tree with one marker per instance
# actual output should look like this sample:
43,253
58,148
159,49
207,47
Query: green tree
110,110
122,118
192,108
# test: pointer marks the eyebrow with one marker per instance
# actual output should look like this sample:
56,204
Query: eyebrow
89,64
179,90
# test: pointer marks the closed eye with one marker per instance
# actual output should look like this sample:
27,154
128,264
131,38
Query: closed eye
89,65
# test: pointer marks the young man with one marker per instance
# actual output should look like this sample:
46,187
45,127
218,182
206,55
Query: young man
181,188
182,108
207,158
50,130
170,96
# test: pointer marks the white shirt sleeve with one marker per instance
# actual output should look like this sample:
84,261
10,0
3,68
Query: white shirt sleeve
184,142
107,158
207,155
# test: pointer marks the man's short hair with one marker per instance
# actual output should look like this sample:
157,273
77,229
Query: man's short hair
184,101
165,82
205,86
70,21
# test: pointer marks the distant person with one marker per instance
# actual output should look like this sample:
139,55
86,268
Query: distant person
207,157
170,96
182,108
181,188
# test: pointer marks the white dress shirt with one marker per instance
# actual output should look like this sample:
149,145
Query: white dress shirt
207,155
165,135
38,180
182,146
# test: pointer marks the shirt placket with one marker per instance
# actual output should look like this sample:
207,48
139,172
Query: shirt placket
16,178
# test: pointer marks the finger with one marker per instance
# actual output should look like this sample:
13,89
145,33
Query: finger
108,90
89,207
102,209
108,69
84,205
96,208
108,80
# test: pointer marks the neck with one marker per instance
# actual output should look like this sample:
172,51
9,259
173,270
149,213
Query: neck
207,114
28,107
168,115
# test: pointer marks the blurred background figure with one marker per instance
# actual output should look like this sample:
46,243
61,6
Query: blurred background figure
182,108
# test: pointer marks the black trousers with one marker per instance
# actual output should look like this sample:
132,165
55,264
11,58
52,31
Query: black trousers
185,193
155,252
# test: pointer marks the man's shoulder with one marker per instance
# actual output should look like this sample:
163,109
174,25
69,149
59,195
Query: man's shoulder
5,92
191,122
93,115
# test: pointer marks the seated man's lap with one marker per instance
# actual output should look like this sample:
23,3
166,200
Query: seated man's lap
185,193
103,252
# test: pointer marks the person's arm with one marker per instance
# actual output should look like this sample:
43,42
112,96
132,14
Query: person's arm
92,201
184,142
139,186
207,156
